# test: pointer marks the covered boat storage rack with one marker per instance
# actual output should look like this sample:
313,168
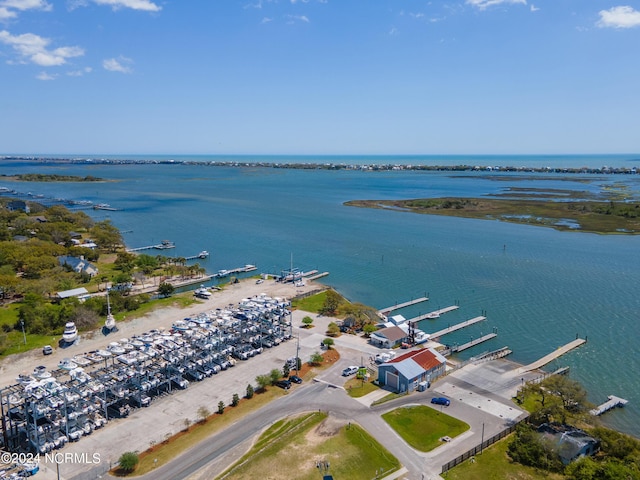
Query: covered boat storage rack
45,410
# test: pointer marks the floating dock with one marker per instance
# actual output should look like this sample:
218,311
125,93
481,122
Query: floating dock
609,405
553,355
458,326
435,314
246,268
317,275
398,306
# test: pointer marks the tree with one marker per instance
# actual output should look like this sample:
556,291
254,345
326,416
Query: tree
368,329
235,400
286,370
307,321
333,330
316,359
203,413
250,391
328,342
221,407
128,461
263,381
106,235
275,375
165,289
331,303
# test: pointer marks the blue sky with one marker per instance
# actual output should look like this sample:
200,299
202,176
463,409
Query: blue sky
319,76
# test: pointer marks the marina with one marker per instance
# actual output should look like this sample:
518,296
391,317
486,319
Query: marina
612,403
44,410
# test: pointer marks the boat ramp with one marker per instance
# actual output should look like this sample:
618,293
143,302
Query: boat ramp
609,405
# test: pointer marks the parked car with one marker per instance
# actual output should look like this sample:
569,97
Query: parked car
351,370
286,384
47,350
295,379
441,401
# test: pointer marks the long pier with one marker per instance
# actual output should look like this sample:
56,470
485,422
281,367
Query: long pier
435,314
202,255
553,355
458,326
317,275
473,343
385,311
609,405
165,245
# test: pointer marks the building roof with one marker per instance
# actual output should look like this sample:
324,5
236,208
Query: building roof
427,358
415,363
393,334
73,293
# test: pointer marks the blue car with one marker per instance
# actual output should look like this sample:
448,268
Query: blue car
441,401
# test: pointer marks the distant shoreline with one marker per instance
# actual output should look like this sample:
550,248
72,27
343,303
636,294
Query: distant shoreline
373,167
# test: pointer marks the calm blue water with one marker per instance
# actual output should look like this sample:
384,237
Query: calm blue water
538,286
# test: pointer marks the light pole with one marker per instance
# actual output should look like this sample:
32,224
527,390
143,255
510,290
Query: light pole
482,441
23,334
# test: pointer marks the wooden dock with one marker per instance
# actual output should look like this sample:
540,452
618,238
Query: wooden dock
458,326
553,355
612,403
202,255
398,306
165,245
435,314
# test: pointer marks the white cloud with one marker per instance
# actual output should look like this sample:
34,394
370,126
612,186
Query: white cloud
145,5
483,4
297,18
267,20
534,8
393,31
9,8
46,76
619,17
33,48
120,64
80,73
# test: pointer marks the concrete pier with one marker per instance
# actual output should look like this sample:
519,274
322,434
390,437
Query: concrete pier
433,315
398,306
458,326
553,355
473,343
612,403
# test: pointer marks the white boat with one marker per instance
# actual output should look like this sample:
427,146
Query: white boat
41,372
110,322
70,333
203,254
202,292
67,364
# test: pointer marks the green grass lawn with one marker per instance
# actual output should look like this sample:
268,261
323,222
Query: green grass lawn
292,447
422,427
311,304
495,464
357,388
